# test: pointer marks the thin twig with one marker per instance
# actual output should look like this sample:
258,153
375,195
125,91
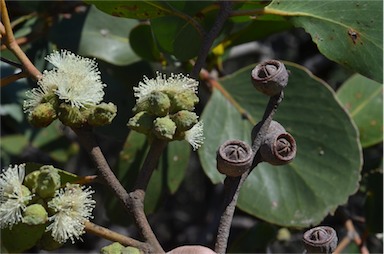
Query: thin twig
10,62
114,237
133,201
352,234
12,78
137,195
225,9
233,185
14,47
252,12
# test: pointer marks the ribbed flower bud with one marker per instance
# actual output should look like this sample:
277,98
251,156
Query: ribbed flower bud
42,115
141,122
158,103
270,77
72,116
183,101
184,120
102,114
43,182
164,128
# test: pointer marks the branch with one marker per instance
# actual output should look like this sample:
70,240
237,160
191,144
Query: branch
12,78
12,45
114,237
225,9
133,201
137,195
233,185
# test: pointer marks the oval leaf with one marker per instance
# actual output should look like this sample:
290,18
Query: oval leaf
327,167
177,157
143,43
106,37
347,32
363,98
177,37
173,161
132,9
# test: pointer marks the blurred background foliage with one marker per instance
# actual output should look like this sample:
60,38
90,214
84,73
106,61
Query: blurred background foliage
333,106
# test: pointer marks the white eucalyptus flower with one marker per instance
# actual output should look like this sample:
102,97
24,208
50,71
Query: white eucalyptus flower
176,82
13,195
75,80
73,206
34,98
195,135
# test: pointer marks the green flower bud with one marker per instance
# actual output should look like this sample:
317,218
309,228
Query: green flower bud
112,248
159,103
141,122
119,248
25,192
102,114
44,182
142,105
72,116
52,99
34,215
164,128
42,115
184,120
48,243
183,101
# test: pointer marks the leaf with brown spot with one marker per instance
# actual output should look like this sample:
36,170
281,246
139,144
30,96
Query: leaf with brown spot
347,32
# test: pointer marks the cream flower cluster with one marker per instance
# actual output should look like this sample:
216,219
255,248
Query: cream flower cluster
164,109
177,83
72,206
75,80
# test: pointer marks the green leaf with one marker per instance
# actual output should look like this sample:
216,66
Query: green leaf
177,157
52,141
347,32
256,30
132,9
177,37
173,161
143,43
13,110
13,144
363,98
245,243
106,37
326,169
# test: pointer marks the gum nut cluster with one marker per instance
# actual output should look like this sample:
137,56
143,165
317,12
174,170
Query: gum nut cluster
164,109
72,92
36,210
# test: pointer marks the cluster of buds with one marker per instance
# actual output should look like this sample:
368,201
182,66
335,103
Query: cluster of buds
71,92
41,210
164,109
